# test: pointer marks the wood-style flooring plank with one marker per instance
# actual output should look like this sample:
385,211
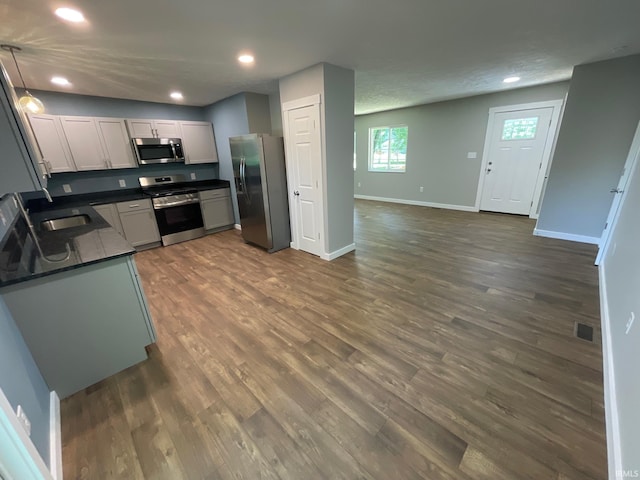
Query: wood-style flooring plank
441,349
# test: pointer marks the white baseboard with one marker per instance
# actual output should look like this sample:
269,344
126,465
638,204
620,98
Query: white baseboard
614,447
566,236
237,226
55,436
447,206
338,253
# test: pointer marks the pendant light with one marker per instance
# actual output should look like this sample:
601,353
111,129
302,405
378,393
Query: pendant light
27,102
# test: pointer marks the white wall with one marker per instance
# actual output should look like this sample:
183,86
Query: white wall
440,136
621,274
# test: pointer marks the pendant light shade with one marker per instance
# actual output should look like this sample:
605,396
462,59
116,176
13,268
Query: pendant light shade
28,103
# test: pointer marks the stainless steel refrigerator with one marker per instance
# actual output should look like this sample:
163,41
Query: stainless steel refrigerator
261,189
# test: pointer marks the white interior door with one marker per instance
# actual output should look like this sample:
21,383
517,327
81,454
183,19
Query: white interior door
305,163
618,192
515,157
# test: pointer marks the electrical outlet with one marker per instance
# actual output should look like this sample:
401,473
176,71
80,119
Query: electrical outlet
122,183
421,189
359,184
472,155
630,322
67,188
193,176
24,421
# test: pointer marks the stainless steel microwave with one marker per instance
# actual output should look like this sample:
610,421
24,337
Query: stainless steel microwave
158,150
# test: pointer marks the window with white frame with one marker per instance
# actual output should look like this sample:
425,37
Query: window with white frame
388,148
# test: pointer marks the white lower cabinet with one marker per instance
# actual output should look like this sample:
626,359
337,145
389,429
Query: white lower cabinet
134,220
217,209
138,222
110,213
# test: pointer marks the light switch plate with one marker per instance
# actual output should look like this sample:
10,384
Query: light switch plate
122,183
193,176
472,155
67,188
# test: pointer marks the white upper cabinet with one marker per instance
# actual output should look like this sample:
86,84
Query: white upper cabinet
83,138
98,143
116,143
198,142
153,128
52,142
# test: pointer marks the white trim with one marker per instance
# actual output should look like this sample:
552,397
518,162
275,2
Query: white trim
566,236
55,436
612,423
237,226
556,106
302,102
338,253
463,208
26,463
614,211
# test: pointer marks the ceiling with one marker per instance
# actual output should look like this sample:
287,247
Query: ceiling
404,52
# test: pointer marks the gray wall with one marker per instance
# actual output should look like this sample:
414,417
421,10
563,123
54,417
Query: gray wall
258,113
339,87
229,118
276,114
440,136
622,278
20,379
336,88
57,103
601,115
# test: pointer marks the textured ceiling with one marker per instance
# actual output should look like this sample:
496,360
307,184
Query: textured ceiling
404,52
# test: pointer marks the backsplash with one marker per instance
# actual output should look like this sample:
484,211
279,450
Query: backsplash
107,180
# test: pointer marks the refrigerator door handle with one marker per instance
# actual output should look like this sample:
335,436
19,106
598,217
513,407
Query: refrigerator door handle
243,170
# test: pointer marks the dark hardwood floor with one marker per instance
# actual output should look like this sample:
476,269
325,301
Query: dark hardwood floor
443,348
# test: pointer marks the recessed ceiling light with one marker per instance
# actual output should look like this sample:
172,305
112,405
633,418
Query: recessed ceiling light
246,58
176,95
511,79
63,82
70,14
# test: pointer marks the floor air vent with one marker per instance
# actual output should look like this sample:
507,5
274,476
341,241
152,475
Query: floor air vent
585,332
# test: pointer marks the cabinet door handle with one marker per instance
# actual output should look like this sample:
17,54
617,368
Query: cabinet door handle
134,205
46,168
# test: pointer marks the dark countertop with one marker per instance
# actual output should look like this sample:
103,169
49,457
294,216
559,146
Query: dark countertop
21,260
114,196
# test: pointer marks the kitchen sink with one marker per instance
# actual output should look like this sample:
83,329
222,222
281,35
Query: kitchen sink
65,222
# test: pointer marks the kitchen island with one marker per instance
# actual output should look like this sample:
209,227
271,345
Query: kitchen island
75,294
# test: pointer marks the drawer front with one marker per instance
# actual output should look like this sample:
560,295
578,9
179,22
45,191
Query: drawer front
134,205
218,193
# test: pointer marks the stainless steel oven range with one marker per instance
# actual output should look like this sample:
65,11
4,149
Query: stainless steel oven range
176,206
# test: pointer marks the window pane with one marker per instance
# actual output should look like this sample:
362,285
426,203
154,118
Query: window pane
380,149
398,149
520,129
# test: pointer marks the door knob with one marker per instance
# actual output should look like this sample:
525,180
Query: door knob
616,190
488,170
296,193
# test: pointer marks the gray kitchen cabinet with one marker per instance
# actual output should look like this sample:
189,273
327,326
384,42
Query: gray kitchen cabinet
88,323
138,222
110,213
198,142
52,142
148,128
217,209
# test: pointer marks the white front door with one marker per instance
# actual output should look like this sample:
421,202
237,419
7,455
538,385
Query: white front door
305,161
618,192
515,157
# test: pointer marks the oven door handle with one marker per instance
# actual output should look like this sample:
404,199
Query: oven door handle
176,204
173,150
